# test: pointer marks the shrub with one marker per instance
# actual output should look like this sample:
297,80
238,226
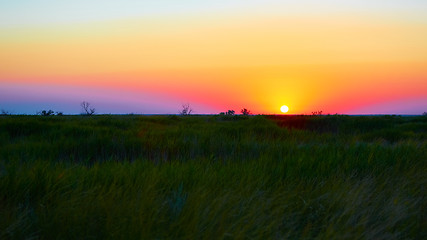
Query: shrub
46,113
245,112
230,113
5,113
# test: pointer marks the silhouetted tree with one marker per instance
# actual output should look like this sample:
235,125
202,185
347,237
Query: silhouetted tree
317,113
87,110
46,113
245,112
424,113
59,114
186,109
230,113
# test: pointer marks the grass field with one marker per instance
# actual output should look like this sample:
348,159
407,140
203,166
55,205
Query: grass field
213,177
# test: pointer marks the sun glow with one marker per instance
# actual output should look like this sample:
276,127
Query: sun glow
284,109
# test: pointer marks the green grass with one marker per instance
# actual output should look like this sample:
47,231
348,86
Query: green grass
213,177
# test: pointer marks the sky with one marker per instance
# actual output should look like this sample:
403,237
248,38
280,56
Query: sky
151,57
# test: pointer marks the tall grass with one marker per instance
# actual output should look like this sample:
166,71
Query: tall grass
213,177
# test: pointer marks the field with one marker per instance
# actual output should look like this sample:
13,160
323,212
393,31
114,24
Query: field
213,177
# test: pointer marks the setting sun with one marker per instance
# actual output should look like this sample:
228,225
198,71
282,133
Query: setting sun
284,109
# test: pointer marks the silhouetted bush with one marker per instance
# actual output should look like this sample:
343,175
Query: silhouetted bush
245,112
5,113
230,113
46,113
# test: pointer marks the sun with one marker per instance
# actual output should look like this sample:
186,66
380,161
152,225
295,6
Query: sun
284,109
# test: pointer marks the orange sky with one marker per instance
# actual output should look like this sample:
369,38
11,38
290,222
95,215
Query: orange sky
337,63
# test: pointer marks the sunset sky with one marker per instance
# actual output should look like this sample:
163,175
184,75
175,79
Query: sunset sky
150,57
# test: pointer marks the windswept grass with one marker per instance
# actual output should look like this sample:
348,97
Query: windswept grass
213,177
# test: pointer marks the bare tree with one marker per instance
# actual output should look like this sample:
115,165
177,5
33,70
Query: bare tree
87,110
245,112
186,109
